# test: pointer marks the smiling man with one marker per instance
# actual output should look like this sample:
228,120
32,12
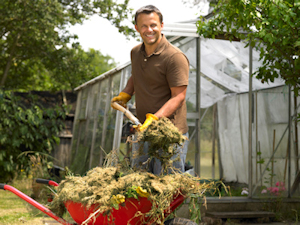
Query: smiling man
159,80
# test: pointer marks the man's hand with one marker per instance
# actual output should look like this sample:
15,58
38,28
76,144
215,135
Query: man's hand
121,99
149,118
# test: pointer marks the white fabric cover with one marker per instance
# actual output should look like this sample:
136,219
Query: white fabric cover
272,117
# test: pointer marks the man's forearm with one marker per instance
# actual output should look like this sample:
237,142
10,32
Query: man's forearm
169,107
176,100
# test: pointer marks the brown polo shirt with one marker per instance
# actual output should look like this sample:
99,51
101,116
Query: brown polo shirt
154,75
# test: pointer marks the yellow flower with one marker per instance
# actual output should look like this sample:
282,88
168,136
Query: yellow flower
117,199
142,192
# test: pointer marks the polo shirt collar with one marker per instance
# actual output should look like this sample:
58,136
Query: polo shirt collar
161,46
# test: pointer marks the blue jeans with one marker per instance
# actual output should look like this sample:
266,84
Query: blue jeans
154,166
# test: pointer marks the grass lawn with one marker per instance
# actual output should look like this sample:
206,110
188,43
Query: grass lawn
14,210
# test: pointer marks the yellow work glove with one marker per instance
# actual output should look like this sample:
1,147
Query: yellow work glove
121,99
149,118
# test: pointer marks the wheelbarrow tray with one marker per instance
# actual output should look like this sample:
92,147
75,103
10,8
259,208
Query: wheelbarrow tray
126,214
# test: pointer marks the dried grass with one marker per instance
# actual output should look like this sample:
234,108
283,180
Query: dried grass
163,137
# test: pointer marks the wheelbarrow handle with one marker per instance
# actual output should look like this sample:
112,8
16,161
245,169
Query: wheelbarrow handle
33,203
127,113
45,181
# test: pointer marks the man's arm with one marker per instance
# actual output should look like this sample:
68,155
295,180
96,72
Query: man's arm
129,89
176,100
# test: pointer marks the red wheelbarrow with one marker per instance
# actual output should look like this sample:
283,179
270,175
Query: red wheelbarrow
126,214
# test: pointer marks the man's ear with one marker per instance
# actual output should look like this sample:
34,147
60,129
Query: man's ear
162,25
136,28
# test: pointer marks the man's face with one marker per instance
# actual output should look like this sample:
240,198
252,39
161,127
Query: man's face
149,27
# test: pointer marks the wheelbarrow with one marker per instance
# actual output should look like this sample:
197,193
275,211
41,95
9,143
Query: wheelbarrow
126,214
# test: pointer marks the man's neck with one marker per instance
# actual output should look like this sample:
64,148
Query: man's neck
150,49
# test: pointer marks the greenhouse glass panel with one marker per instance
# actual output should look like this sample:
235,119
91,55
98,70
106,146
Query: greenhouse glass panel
188,47
191,92
83,105
121,144
270,160
88,143
80,160
79,126
270,153
111,116
209,164
97,123
98,150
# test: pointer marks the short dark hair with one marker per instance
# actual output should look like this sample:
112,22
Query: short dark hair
147,10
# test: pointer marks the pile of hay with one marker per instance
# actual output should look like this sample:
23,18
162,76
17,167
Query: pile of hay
109,187
163,137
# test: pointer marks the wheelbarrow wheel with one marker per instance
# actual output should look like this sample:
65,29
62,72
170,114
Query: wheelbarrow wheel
180,221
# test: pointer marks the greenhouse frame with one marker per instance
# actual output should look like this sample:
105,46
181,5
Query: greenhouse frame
260,156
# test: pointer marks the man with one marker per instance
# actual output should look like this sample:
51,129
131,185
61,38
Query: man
159,81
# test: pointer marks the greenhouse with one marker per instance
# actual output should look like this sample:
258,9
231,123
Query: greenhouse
241,130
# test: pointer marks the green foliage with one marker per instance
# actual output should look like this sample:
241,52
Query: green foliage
71,67
195,209
131,192
34,41
66,69
262,161
271,26
31,129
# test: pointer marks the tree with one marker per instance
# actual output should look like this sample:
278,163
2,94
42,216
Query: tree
71,67
34,33
271,26
25,129
66,69
199,3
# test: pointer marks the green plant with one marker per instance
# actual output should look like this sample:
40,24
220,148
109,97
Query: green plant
29,129
296,216
275,194
194,208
